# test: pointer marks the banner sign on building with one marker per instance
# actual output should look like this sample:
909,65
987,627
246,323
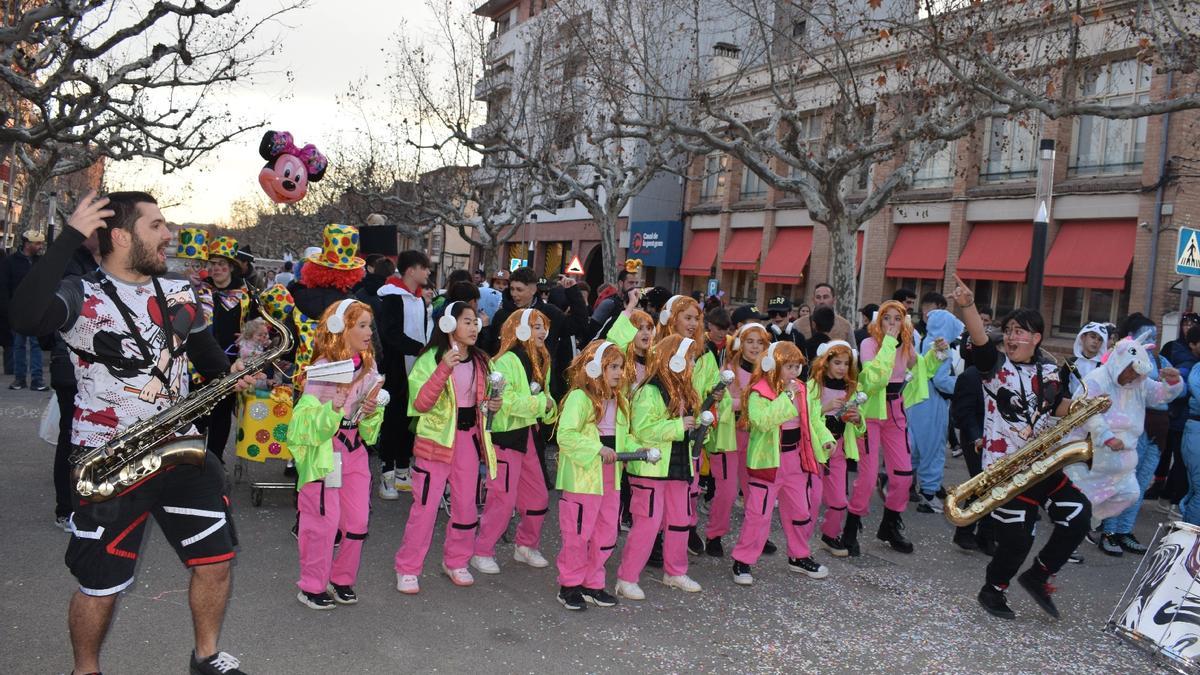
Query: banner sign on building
657,243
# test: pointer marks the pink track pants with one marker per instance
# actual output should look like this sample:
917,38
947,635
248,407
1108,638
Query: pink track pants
833,478
892,435
588,524
798,493
729,471
518,483
428,482
325,510
655,503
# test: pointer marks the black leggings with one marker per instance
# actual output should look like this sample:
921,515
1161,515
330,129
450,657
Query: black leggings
1013,527
219,422
64,495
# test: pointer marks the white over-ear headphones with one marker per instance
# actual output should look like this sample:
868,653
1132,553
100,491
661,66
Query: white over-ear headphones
665,315
737,339
595,367
768,361
824,347
337,322
678,362
447,323
524,332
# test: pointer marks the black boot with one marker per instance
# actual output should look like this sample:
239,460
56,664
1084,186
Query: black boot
714,548
1036,582
891,530
850,534
964,538
992,599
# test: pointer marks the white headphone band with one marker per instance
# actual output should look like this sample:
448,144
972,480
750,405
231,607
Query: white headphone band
447,323
337,322
524,332
678,362
768,361
737,339
595,367
826,346
665,315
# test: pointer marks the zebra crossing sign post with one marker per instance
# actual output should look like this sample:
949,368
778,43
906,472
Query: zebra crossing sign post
1187,252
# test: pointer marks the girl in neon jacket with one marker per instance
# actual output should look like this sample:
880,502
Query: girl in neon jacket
326,435
786,429
519,482
836,380
887,426
592,427
632,333
681,315
728,462
663,409
447,386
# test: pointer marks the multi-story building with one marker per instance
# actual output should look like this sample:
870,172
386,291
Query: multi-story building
1118,201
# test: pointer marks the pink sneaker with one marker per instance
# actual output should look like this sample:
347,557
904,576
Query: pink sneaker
460,576
407,583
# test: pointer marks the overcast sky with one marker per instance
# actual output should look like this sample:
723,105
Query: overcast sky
326,46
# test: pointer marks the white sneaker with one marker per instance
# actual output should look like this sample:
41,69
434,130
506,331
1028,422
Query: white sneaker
742,575
683,582
629,590
529,556
407,583
485,565
460,576
387,487
402,481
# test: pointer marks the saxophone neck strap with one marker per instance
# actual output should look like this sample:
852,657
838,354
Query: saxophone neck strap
144,346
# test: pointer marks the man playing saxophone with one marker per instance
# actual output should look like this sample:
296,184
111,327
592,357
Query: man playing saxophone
131,333
1022,396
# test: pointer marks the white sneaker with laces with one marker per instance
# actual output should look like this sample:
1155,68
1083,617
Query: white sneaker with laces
387,487
530,556
683,582
63,523
403,482
485,564
460,576
629,590
407,584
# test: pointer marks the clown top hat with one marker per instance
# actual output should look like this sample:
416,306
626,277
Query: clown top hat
223,247
193,244
339,250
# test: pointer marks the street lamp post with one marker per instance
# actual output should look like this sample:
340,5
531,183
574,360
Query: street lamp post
1041,224
532,238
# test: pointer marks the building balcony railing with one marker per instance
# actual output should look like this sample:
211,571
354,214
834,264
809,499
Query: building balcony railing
493,83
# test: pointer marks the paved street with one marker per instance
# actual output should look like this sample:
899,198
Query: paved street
883,612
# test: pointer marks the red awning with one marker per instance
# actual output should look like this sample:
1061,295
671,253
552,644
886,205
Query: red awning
919,252
700,254
997,252
1091,254
743,250
787,257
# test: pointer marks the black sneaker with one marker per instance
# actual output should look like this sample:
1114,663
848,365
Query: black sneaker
598,597
1129,543
220,663
1109,545
714,548
808,567
741,574
39,387
318,601
1094,536
1040,588
343,595
966,540
770,548
835,546
571,598
695,543
17,385
993,601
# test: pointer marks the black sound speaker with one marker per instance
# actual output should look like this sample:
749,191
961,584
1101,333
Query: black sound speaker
379,239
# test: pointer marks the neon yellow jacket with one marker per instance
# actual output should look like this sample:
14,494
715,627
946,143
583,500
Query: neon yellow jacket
871,381
519,408
580,469
437,425
915,390
654,427
310,436
767,416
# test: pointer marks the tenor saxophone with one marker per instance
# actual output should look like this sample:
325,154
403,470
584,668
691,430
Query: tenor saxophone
156,442
1018,471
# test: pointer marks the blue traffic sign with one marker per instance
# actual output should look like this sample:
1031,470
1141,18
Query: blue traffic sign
1187,252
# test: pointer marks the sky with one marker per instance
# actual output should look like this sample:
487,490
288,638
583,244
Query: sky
326,46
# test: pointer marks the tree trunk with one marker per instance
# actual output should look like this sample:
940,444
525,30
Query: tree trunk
607,225
843,277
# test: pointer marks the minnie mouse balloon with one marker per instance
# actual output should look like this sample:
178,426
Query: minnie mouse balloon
289,169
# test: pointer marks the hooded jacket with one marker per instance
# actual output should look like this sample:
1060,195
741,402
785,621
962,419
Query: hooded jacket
1082,364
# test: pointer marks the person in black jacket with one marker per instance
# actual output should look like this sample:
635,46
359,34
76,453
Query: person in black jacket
404,328
62,379
966,414
27,353
377,276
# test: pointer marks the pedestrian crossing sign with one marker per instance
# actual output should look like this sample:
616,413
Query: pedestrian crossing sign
1187,253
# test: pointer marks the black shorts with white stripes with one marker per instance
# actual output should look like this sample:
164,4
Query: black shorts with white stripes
188,502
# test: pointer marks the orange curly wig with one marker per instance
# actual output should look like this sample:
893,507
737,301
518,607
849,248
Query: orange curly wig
332,346
820,368
682,304
786,353
640,320
906,330
597,389
681,395
539,356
